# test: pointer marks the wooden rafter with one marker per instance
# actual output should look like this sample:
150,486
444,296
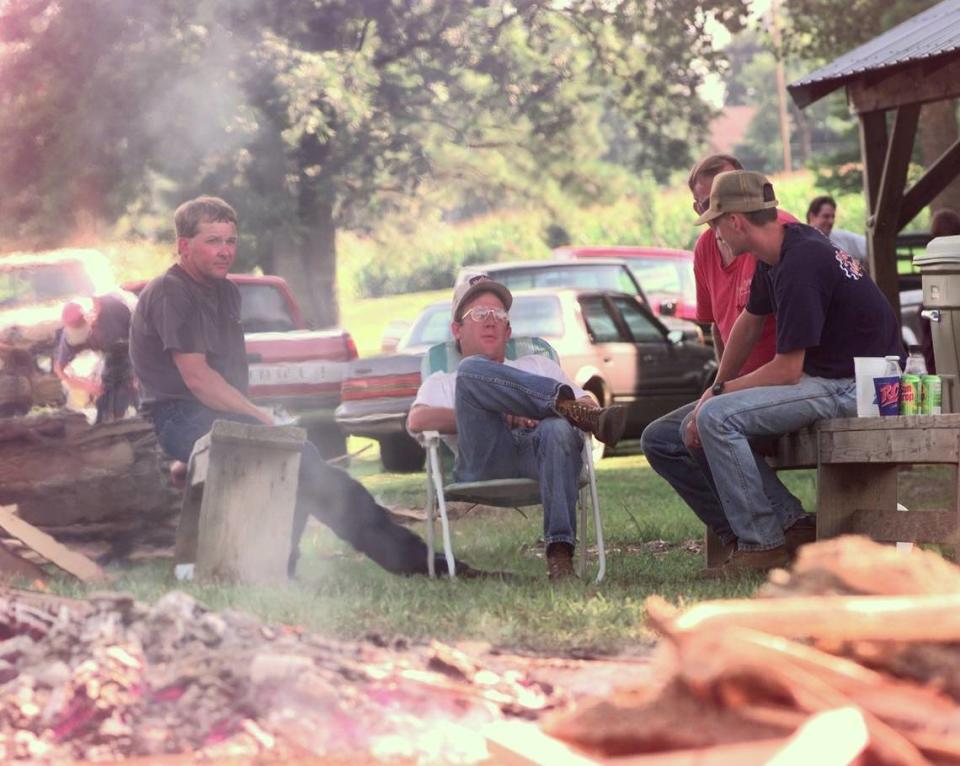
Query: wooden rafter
937,177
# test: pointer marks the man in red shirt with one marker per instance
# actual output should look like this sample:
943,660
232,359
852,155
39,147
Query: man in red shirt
723,287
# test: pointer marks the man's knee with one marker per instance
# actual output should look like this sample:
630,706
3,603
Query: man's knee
474,365
661,438
711,419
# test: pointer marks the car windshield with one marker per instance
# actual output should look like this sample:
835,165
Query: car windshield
608,276
666,276
538,315
41,282
263,309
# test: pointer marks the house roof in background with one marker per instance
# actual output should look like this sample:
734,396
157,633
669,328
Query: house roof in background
729,128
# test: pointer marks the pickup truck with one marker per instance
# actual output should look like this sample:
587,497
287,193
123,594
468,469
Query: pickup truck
295,371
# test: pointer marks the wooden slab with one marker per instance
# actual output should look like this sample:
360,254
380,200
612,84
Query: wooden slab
246,515
894,445
60,555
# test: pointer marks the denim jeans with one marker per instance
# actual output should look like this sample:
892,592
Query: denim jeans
688,472
550,453
327,492
727,422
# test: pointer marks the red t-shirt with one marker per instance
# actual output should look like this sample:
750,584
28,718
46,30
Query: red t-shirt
723,292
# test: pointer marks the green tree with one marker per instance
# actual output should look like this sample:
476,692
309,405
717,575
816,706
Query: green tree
312,115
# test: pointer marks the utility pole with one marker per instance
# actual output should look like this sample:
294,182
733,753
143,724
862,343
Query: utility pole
781,85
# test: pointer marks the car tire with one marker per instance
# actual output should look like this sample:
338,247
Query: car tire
400,453
330,443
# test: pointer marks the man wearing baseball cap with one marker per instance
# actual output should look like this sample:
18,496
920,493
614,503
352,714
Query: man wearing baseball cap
519,418
105,330
827,311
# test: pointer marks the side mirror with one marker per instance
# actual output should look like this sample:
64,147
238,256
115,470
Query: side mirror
668,308
679,337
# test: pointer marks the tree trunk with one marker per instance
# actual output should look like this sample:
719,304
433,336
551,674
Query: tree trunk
803,134
321,260
938,130
309,264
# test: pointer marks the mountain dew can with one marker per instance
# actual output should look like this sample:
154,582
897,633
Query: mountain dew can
931,395
910,394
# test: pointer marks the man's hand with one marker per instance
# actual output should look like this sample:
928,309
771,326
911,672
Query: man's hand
518,421
691,435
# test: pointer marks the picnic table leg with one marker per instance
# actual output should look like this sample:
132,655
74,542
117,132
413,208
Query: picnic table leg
713,548
844,488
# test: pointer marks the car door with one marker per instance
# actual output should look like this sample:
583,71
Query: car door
666,377
615,353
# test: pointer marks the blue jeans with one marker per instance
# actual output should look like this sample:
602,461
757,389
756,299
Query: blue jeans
326,492
727,422
688,472
490,449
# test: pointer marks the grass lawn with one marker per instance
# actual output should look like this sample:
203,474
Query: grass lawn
650,535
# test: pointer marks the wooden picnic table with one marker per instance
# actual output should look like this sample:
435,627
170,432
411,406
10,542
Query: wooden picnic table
858,462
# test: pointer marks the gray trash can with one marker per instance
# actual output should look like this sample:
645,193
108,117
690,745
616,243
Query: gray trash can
940,273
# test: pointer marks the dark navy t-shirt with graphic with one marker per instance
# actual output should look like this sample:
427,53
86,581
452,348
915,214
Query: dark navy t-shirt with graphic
824,303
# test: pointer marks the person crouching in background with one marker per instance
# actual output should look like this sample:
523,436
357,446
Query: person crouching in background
105,330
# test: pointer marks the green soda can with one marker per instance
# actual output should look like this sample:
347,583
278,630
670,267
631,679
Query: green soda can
910,394
931,395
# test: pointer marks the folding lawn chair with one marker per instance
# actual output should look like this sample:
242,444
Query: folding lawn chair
501,493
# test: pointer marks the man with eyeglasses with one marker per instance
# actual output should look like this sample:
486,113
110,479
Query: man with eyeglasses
827,311
723,288
507,419
187,348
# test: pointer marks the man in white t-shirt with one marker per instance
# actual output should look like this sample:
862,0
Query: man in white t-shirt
508,419
821,215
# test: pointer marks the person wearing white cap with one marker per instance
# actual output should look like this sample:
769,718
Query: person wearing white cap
105,329
827,311
520,418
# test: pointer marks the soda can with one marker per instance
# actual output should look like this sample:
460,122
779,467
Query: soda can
910,395
931,395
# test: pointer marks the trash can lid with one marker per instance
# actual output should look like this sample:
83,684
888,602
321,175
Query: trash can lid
942,250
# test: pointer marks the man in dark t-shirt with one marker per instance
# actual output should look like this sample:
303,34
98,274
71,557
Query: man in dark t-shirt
188,351
105,329
827,312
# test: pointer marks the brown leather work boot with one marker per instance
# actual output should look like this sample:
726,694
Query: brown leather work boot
803,531
560,561
745,562
606,423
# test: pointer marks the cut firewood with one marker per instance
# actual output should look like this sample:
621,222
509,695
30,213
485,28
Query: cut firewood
854,565
13,567
66,475
854,618
57,554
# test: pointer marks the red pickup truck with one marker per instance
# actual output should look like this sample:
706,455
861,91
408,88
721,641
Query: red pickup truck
294,370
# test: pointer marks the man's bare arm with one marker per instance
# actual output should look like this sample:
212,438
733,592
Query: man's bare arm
426,418
717,342
213,391
744,334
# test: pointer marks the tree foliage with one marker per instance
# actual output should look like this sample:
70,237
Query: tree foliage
310,115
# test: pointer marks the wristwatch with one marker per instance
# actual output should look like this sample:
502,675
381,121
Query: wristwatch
717,388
